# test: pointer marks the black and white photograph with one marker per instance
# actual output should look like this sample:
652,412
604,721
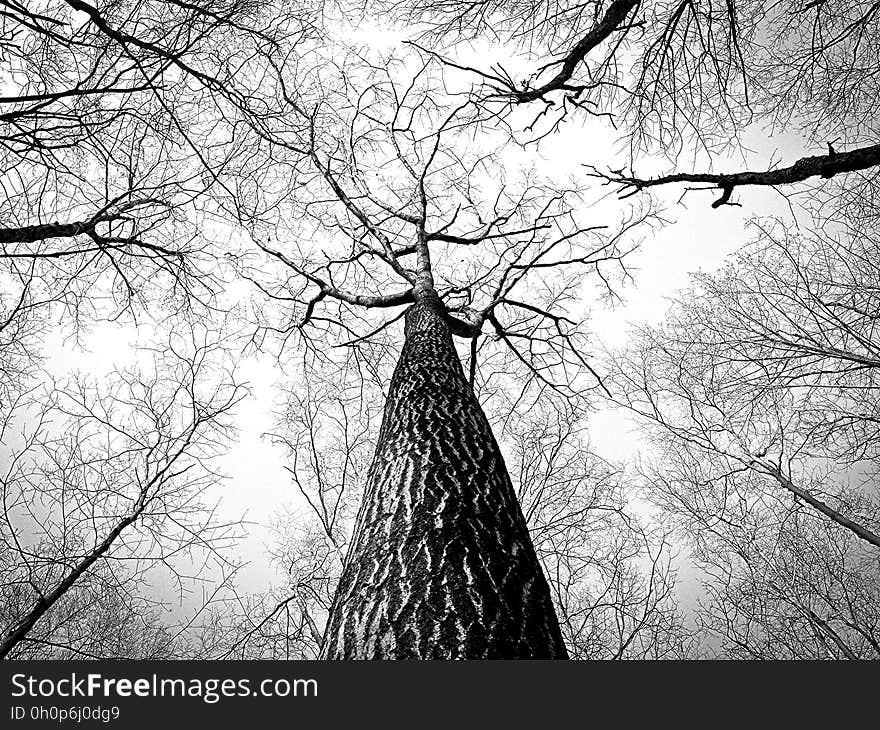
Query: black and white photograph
436,330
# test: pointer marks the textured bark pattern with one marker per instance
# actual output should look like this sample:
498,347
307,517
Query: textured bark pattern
441,564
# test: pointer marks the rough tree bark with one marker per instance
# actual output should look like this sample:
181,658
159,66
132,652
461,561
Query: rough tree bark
441,565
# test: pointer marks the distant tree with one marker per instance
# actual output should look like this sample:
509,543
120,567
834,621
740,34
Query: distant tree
101,492
760,390
127,131
611,576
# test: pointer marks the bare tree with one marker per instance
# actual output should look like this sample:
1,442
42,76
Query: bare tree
761,385
101,498
761,391
610,575
127,129
610,579
150,150
410,212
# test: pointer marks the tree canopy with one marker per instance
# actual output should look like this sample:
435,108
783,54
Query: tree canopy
233,181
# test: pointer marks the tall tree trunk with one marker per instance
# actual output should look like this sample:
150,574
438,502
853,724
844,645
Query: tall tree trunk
441,565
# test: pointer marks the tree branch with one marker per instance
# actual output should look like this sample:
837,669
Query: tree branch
784,481
328,290
31,234
614,17
825,166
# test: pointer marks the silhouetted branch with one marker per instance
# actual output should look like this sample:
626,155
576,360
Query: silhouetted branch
825,166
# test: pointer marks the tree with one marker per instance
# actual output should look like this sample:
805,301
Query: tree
759,377
609,576
406,251
102,495
127,129
761,391
440,563
608,564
